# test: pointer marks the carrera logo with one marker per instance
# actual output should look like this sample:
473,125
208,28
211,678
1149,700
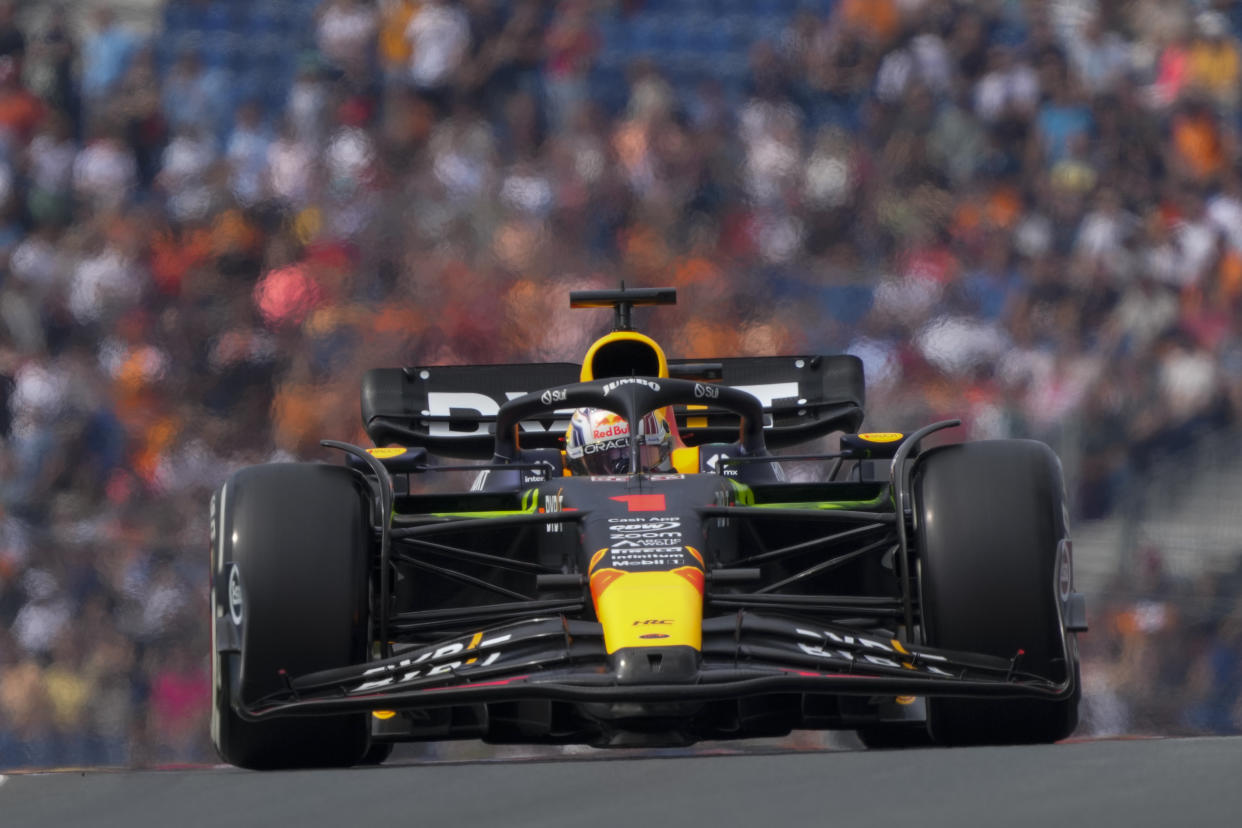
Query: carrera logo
552,395
615,384
706,392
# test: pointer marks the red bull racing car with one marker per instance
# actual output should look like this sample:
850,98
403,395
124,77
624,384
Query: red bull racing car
632,567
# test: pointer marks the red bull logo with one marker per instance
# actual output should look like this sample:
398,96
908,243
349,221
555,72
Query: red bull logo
610,425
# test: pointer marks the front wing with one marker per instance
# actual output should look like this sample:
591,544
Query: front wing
558,659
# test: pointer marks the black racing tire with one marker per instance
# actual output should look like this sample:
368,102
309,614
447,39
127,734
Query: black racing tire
377,754
894,735
990,519
289,562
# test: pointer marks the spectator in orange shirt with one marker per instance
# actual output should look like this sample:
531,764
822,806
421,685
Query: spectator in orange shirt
1197,142
876,20
393,49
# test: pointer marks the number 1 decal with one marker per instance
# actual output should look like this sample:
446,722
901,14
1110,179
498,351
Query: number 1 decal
642,503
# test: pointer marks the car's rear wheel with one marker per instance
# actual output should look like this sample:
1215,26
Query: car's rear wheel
377,754
289,562
991,522
894,735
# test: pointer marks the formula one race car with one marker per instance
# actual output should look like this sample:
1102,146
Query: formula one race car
683,590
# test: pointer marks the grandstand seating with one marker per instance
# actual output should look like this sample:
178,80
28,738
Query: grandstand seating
691,41
258,45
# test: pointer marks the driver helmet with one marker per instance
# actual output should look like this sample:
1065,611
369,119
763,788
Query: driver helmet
598,442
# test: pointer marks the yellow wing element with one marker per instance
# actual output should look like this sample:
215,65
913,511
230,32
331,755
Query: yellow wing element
686,460
622,354
386,453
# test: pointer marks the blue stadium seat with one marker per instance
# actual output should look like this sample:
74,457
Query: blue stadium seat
219,48
700,33
265,19
779,8
728,35
609,89
176,17
653,34
186,40
608,27
770,28
728,7
165,52
848,304
249,86
615,37
734,35
270,54
682,32
220,16
291,17
1234,15
733,74
193,15
274,96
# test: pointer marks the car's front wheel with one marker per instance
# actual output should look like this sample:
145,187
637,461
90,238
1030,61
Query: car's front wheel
289,563
991,534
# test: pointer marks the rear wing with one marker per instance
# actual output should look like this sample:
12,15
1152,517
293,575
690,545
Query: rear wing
451,409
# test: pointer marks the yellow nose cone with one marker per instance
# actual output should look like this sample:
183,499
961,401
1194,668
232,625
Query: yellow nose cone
649,609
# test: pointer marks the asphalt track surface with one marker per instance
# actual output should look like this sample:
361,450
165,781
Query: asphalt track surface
1171,783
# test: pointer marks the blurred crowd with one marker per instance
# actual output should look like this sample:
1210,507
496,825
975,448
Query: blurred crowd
1026,214
1164,656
